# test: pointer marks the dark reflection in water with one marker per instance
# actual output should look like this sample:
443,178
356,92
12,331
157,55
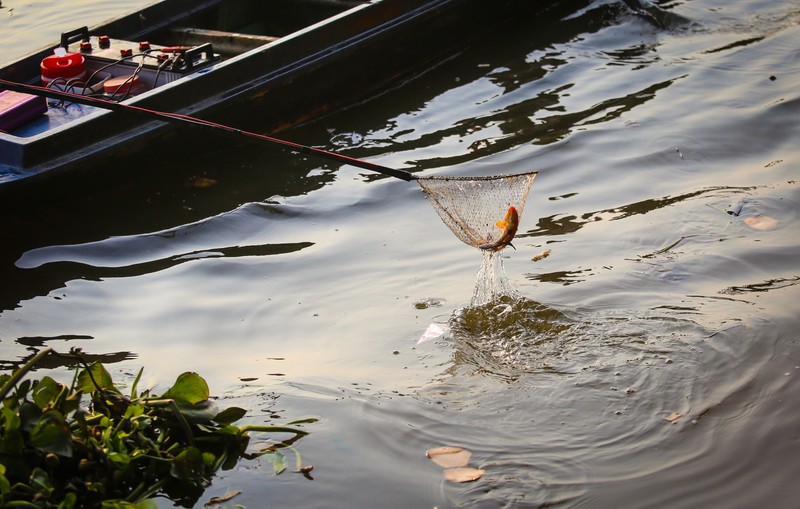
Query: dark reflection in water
38,343
549,226
141,197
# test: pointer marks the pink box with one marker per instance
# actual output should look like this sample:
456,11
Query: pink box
18,109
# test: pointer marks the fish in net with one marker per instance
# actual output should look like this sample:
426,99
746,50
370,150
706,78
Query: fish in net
483,212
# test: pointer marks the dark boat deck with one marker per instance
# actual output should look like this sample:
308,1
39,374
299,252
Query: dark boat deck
297,59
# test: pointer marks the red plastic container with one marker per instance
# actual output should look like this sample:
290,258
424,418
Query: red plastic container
122,85
68,66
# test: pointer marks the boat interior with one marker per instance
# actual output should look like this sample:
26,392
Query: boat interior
146,50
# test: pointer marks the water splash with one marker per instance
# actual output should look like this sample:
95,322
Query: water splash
492,283
510,333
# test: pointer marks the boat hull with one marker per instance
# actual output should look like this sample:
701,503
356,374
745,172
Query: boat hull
337,61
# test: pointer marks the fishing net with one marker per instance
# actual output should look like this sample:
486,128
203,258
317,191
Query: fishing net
472,206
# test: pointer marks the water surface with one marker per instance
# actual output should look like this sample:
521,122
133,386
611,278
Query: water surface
650,360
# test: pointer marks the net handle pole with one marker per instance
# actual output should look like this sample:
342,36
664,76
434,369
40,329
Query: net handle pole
176,118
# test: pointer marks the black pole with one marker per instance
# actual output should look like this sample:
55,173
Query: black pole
176,118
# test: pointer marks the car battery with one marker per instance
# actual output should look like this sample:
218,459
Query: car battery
146,65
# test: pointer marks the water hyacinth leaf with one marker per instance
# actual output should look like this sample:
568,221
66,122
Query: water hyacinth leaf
12,443
23,388
189,389
96,374
278,461
119,458
135,386
209,459
29,415
134,410
449,457
463,474
46,391
5,485
188,465
230,415
40,481
52,434
202,412
70,501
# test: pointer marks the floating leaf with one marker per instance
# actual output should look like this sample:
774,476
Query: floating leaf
202,182
189,389
224,498
673,417
278,461
761,222
463,474
448,457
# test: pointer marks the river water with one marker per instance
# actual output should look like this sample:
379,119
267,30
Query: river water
651,360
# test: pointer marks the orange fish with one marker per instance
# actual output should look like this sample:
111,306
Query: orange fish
509,225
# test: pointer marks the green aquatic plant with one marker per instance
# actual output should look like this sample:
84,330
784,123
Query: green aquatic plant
116,450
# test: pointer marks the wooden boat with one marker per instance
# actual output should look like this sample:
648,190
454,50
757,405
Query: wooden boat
214,59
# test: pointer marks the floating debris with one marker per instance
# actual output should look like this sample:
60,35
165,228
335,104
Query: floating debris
761,222
429,303
433,331
673,417
201,182
454,460
465,474
214,502
350,139
541,256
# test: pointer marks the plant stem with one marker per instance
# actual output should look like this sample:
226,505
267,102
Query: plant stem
21,372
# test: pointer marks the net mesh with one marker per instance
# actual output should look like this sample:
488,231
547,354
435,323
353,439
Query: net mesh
471,206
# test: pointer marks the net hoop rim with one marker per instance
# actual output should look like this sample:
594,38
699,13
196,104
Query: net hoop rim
480,177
